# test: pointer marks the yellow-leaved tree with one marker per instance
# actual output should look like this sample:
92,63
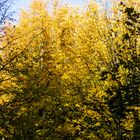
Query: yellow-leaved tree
71,72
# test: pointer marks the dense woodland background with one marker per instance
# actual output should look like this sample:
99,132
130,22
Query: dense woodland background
70,73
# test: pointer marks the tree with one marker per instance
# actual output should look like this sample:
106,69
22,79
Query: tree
123,96
5,12
71,73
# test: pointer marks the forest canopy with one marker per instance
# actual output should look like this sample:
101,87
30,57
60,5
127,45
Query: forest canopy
71,73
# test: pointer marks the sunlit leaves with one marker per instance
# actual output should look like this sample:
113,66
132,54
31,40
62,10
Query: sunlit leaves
70,73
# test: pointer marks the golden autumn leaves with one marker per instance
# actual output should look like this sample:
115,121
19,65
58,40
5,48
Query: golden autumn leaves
64,63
